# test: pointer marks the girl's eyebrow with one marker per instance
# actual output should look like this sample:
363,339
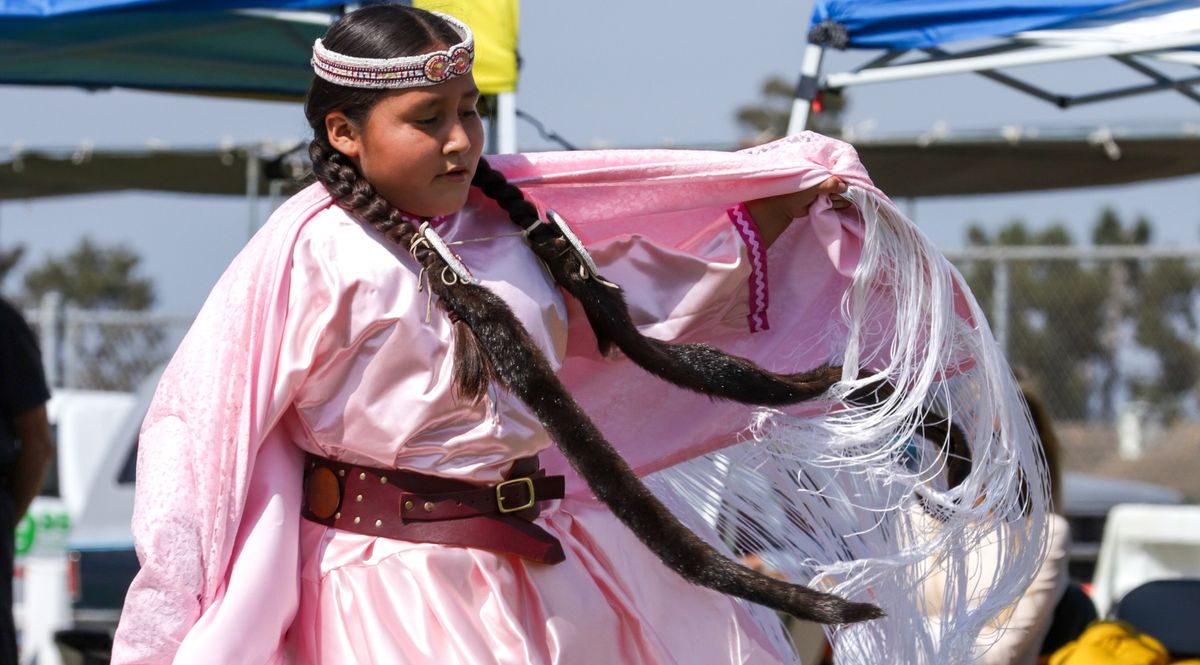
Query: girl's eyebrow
427,103
433,101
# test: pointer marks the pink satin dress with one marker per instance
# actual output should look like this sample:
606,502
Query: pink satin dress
378,391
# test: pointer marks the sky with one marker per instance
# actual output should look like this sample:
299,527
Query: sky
622,73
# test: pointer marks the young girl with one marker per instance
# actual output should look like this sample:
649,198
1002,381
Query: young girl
342,462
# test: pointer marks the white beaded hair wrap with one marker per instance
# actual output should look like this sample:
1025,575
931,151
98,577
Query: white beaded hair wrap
410,71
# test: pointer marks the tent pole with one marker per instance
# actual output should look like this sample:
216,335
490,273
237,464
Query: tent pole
253,174
1179,86
506,123
1134,91
1038,55
806,88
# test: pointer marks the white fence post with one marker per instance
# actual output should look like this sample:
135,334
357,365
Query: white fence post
1000,305
253,180
49,317
72,327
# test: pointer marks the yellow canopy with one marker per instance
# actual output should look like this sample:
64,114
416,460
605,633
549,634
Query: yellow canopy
495,24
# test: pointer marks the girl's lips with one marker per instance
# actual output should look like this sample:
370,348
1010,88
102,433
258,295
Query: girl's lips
455,176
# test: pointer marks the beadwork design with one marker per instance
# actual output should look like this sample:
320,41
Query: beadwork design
417,221
755,247
412,71
437,67
460,60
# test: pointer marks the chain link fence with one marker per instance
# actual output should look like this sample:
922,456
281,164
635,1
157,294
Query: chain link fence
1109,338
103,350
1097,330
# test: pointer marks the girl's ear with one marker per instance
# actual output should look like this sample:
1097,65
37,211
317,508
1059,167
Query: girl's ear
344,135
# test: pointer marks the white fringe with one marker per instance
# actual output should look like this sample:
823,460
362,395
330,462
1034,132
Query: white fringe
843,502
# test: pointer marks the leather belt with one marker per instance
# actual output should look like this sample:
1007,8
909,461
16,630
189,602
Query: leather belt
411,506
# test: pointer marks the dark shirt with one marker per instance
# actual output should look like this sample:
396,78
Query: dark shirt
22,383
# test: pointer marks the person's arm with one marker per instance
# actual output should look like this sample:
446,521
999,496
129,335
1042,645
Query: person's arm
772,215
1021,639
23,397
37,448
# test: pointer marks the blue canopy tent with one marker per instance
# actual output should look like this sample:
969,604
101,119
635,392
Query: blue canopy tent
256,49
47,8
241,48
914,37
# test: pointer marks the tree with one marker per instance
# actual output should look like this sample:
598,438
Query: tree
1166,323
1119,300
768,119
9,259
93,277
1153,303
1068,321
112,351
1052,315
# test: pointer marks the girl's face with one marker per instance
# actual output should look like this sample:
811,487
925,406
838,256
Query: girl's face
417,147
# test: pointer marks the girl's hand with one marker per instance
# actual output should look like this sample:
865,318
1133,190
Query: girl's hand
772,215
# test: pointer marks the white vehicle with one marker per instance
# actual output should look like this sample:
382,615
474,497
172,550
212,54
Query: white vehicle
84,424
1087,501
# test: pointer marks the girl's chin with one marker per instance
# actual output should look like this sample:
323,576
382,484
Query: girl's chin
439,206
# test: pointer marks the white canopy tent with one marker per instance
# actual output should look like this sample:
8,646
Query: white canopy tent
1141,35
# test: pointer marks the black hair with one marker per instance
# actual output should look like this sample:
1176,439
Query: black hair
491,344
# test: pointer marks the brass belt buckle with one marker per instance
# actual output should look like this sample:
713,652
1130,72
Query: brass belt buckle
528,482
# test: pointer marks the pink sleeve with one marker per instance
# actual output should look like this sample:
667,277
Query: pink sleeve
715,277
654,425
756,249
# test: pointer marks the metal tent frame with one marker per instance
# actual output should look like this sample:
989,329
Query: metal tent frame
1140,53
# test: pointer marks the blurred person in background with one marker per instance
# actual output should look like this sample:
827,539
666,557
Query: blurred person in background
26,447
1053,610
1073,610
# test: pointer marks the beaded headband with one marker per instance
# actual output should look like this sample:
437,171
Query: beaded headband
411,71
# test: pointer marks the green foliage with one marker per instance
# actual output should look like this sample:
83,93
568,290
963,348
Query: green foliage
9,259
92,276
1165,320
1068,319
768,119
1052,315
106,354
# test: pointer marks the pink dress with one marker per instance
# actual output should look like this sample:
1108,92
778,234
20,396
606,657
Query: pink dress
378,392
316,338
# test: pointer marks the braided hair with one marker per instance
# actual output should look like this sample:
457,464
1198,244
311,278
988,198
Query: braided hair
492,345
